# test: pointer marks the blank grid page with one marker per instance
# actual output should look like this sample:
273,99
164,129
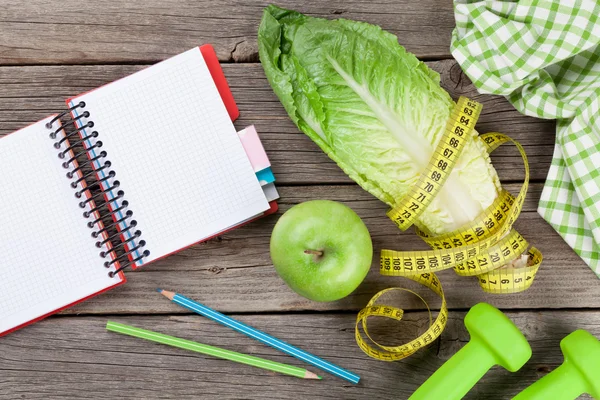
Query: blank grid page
47,255
175,152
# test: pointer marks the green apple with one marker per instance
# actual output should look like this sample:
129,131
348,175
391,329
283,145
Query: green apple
321,249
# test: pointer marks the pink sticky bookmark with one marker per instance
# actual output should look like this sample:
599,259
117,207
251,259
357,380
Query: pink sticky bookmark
254,148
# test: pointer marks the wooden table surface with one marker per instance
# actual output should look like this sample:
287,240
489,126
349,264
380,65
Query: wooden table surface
51,50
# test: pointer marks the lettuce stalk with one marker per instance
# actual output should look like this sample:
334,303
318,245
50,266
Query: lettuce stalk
373,108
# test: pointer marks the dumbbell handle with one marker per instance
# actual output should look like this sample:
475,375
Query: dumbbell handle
564,383
458,375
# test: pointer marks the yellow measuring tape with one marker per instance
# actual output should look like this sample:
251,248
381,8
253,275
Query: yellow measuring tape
459,129
393,353
485,248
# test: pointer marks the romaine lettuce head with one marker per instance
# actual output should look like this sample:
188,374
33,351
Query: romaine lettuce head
374,108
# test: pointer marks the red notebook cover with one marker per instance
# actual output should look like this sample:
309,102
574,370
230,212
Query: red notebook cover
218,76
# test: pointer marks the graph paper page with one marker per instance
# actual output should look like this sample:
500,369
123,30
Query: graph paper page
175,152
47,256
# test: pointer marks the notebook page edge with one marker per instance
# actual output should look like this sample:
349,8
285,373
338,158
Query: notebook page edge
273,207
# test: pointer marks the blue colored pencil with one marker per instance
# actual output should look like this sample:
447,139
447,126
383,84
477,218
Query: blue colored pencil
260,336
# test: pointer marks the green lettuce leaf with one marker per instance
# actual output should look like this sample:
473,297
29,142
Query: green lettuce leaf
374,108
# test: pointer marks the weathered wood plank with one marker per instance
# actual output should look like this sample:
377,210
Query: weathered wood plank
226,274
104,31
28,94
72,357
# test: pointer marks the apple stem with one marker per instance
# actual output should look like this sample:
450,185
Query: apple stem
317,253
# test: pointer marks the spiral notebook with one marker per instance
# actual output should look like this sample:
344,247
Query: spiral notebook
165,167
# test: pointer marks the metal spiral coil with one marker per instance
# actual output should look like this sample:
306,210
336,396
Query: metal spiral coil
74,143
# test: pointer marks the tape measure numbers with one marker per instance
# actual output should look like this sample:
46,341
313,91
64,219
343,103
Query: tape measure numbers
470,260
486,248
512,280
459,130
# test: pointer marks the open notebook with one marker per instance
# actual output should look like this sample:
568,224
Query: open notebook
168,166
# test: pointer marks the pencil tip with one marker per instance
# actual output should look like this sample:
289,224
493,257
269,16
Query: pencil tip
159,290
167,294
311,375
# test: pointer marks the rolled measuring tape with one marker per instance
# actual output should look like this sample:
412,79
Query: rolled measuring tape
485,248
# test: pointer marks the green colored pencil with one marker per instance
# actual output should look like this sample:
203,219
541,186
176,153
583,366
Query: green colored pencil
211,350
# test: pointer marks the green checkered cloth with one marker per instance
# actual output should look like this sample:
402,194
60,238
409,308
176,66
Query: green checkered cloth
544,56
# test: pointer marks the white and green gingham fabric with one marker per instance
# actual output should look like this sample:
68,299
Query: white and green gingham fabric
544,56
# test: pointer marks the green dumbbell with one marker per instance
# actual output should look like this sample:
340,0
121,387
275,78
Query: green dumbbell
494,340
578,374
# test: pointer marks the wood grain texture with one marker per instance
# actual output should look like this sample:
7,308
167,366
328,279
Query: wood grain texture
76,358
104,31
72,356
226,273
27,94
